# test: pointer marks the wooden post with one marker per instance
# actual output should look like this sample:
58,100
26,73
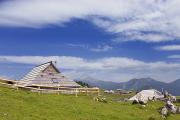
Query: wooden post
98,92
76,93
39,88
58,90
17,88
87,92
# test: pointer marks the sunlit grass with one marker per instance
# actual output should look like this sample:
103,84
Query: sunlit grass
23,105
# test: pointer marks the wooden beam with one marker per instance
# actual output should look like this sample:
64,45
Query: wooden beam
76,93
58,90
39,90
98,92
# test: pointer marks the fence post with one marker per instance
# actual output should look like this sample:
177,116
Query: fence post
87,92
76,93
17,88
58,90
39,88
98,92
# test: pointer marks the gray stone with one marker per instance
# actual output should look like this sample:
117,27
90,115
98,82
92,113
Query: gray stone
173,98
171,107
164,111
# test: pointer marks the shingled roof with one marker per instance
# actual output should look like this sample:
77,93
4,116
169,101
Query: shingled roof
46,75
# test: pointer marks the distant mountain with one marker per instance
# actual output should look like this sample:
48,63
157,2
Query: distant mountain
143,83
174,87
99,83
135,84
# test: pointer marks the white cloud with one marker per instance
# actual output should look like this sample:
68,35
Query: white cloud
148,37
174,56
99,48
102,48
111,69
85,46
169,48
152,20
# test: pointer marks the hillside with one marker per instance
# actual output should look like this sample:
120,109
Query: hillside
24,105
136,84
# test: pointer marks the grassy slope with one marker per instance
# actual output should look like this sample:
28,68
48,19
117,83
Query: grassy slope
22,105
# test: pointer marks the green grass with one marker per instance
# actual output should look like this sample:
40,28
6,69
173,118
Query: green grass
23,105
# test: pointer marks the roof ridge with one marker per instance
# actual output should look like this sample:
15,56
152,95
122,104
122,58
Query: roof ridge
44,63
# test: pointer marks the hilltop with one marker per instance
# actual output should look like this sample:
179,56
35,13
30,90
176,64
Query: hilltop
136,84
24,105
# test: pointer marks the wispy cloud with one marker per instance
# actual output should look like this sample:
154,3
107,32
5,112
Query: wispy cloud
102,48
174,56
112,69
99,48
169,48
145,20
85,46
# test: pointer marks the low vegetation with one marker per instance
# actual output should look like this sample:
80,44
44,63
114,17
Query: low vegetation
24,105
83,84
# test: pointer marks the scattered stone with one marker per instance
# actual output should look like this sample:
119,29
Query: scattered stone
178,110
166,94
173,98
164,111
178,100
170,108
100,99
169,104
144,106
173,109
142,101
135,102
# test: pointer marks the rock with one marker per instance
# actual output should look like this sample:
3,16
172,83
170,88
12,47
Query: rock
144,106
169,104
135,102
164,111
171,107
166,94
142,100
178,110
154,99
100,99
173,98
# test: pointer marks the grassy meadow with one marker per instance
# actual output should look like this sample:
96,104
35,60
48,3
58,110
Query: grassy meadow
24,105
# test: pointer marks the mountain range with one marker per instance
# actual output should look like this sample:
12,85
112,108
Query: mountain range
135,84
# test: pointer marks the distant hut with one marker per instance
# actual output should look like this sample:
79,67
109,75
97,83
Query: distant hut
47,76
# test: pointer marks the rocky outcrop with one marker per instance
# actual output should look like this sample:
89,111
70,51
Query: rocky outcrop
170,108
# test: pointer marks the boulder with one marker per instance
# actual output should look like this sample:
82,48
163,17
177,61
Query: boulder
173,98
166,94
142,100
164,111
171,107
178,110
169,104
135,102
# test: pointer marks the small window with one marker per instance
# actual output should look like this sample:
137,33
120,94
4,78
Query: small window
54,80
51,74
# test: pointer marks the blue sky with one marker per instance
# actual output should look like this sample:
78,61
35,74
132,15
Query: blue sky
78,38
88,38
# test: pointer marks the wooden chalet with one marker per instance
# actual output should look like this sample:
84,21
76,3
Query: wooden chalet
47,76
